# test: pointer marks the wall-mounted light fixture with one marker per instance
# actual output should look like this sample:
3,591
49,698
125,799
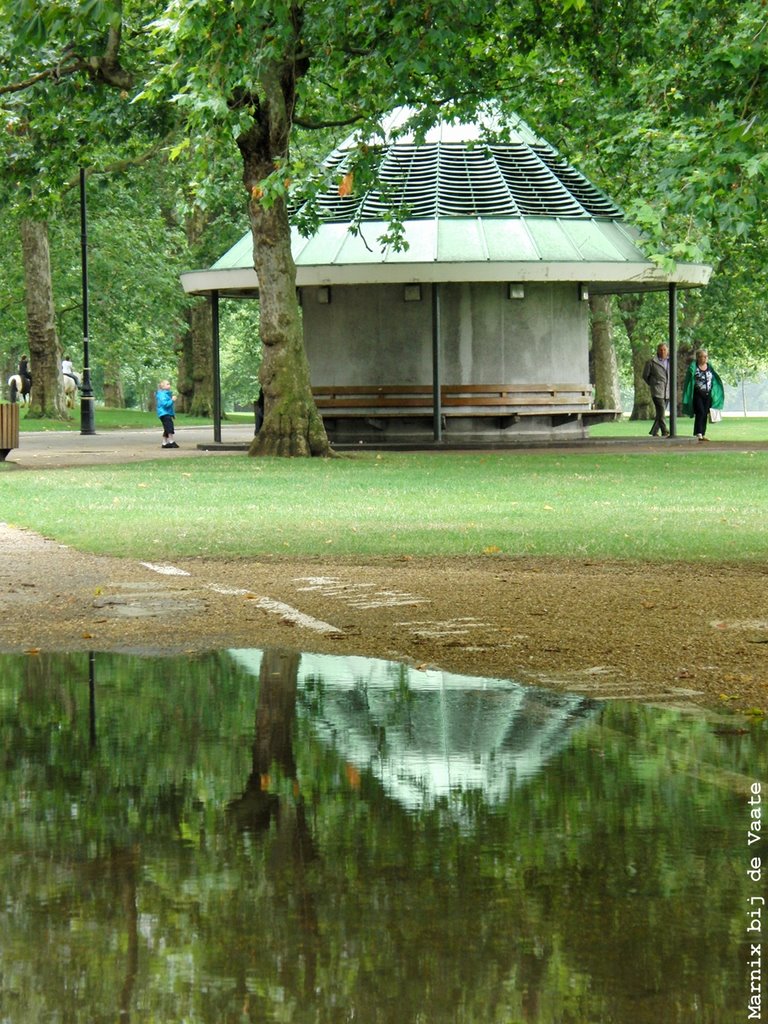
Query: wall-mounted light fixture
324,295
515,291
412,293
583,293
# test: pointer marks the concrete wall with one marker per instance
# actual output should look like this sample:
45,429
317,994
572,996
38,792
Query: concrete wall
368,334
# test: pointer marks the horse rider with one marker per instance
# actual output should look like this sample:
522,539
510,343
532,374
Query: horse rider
66,369
26,376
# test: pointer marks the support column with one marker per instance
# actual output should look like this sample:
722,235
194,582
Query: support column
673,360
216,368
437,410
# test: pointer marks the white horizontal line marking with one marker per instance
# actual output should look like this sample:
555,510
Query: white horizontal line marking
165,570
294,615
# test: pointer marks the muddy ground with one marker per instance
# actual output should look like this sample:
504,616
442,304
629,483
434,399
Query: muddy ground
675,633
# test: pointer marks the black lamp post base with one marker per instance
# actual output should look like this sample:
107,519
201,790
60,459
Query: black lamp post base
87,419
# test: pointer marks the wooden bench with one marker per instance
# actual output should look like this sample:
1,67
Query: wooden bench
510,402
9,429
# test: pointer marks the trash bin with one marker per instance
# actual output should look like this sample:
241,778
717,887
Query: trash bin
9,429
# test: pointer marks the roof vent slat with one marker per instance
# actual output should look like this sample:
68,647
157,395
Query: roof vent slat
467,179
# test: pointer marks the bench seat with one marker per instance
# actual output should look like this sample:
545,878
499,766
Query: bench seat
509,401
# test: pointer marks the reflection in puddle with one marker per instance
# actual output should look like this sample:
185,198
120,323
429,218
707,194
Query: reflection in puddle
428,735
269,836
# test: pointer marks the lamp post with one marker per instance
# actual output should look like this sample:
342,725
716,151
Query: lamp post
673,360
86,391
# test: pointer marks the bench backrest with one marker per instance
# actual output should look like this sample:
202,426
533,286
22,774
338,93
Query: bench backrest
418,396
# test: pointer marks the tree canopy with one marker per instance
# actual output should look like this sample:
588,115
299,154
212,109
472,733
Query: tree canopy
634,93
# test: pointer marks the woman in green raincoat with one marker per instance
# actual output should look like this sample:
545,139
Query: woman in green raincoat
702,391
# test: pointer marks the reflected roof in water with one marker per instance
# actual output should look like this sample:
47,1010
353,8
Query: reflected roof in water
428,735
188,838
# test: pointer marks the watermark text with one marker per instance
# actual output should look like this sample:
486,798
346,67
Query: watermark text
756,911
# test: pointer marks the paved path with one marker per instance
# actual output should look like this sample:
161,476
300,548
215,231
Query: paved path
55,449
48,449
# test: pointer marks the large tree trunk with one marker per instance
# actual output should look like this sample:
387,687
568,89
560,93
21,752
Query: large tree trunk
604,365
642,407
44,349
292,424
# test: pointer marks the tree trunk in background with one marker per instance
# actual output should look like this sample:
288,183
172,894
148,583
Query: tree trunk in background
114,396
184,386
44,349
642,407
183,370
685,356
201,359
686,350
195,368
604,363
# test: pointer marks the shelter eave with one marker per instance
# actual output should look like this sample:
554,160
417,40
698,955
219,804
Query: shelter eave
599,277
237,282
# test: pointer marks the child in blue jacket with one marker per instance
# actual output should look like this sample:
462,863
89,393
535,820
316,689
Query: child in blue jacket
166,412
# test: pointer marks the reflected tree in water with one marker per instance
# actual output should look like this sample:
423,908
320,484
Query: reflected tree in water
272,806
212,859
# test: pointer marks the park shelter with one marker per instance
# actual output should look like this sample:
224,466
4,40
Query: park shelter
501,245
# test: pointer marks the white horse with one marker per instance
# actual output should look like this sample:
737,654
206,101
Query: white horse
20,388
70,390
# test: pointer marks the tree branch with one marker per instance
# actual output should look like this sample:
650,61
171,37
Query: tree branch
56,72
108,68
312,125
105,68
119,165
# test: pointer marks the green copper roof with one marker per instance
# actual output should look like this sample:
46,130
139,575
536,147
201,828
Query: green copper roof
457,240
483,201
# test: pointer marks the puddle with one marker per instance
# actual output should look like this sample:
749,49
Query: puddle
274,836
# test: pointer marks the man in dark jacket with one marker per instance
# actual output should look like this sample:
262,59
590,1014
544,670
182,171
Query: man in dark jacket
656,376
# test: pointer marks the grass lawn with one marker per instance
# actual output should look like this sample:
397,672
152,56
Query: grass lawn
707,505
731,428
